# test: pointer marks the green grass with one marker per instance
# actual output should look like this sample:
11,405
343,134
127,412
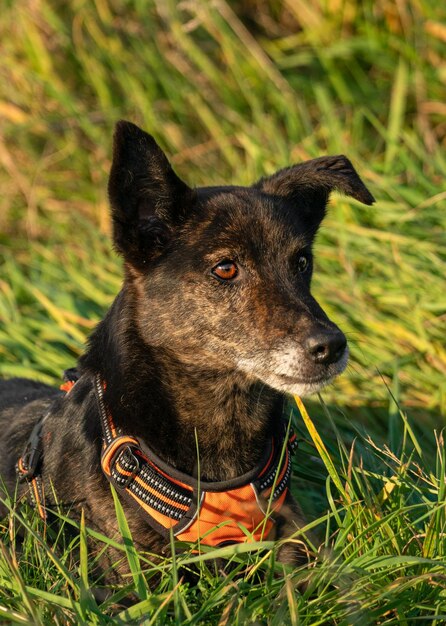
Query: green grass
233,91
380,557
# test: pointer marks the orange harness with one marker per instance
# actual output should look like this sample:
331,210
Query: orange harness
210,513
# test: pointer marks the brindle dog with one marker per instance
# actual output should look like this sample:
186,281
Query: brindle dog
215,322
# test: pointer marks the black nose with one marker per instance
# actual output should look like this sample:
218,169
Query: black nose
326,347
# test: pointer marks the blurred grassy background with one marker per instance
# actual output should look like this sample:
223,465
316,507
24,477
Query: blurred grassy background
232,90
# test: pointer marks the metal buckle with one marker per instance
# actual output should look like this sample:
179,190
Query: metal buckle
135,472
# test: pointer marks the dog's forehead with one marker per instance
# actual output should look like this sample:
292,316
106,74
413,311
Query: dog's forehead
245,215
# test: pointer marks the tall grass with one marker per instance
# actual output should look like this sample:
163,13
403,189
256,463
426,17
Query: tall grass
379,557
233,91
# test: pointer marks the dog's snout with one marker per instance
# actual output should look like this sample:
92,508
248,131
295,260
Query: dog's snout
326,347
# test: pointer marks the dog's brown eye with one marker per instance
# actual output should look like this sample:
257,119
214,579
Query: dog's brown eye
302,263
226,270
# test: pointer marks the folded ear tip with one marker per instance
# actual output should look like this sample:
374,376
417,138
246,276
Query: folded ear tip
366,197
335,163
342,165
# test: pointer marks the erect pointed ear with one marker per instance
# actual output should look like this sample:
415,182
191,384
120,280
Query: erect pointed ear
308,186
147,198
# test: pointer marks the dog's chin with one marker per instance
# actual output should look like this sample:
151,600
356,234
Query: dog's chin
302,384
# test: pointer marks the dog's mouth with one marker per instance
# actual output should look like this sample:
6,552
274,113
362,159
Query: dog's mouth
303,384
297,386
303,387
302,380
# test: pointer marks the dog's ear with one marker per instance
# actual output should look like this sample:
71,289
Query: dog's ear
309,184
147,198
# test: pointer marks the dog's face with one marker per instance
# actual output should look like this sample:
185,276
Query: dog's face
221,275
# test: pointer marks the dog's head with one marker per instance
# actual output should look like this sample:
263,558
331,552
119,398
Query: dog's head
221,275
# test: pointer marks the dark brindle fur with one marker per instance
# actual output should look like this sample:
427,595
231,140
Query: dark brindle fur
181,349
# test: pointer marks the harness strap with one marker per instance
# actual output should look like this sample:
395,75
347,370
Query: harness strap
36,488
172,499
128,468
168,498
29,464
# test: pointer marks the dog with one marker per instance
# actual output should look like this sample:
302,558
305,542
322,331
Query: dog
179,395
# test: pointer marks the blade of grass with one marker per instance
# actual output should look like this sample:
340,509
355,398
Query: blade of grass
320,447
130,550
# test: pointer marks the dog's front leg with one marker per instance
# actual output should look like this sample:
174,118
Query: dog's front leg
293,550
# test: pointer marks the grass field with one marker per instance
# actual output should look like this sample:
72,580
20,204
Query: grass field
234,90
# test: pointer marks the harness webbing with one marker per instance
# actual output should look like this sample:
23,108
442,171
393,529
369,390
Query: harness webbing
28,466
209,512
178,501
